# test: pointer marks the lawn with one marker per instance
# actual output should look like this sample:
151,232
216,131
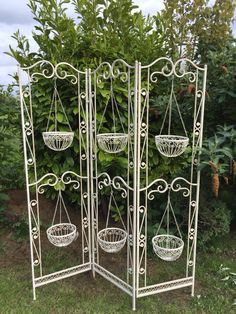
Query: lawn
83,294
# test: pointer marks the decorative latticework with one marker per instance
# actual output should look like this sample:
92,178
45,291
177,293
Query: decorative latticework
171,145
168,247
112,142
112,240
57,140
62,234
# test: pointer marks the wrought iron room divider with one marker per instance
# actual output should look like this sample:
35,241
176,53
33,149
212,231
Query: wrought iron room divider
112,173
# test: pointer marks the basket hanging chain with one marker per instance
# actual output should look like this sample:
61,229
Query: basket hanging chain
109,210
164,214
103,115
169,110
167,213
119,213
56,98
59,204
176,223
180,115
113,107
51,107
170,106
118,112
55,212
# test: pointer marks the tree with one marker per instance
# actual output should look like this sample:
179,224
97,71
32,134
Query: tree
106,30
189,22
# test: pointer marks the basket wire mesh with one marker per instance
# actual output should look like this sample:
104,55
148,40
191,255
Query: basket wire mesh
63,233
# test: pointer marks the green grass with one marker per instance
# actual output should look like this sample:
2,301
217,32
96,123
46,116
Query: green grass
83,294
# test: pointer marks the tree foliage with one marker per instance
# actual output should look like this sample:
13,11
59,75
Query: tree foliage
189,22
11,173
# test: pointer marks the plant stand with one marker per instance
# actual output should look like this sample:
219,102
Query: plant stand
135,193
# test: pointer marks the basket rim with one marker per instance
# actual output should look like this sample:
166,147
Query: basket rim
177,138
61,224
112,228
113,135
58,133
168,249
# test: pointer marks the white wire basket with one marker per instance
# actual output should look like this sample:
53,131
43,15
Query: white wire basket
112,240
112,142
62,234
57,140
167,247
171,145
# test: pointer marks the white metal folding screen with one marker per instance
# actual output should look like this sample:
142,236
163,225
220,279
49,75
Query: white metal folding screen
128,138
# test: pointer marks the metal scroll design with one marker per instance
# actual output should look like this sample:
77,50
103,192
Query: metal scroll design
41,68
118,183
50,179
164,70
64,70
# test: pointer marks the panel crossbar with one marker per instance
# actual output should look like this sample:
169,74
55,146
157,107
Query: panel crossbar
62,274
165,286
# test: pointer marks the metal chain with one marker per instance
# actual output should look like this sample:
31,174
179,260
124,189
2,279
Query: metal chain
169,110
167,213
55,98
60,203
109,210
113,107
51,108
63,109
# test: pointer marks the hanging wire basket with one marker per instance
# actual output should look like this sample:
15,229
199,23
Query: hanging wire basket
171,145
112,240
62,234
112,142
58,140
167,247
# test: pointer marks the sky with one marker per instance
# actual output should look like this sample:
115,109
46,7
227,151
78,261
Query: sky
15,14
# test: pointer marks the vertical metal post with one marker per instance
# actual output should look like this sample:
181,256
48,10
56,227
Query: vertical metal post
91,209
136,180
192,176
35,178
135,206
27,181
198,178
137,167
90,224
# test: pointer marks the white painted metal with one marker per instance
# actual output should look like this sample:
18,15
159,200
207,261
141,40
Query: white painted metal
58,140
112,240
136,190
171,145
112,143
